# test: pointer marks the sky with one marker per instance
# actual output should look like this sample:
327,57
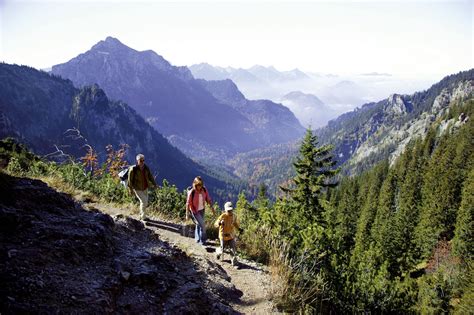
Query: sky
410,38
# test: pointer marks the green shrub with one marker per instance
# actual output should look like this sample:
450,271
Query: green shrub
168,201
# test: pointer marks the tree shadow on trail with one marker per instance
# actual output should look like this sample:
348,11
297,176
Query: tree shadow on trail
183,230
243,265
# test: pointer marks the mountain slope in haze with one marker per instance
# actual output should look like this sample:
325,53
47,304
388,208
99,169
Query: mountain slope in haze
169,98
272,120
308,108
39,109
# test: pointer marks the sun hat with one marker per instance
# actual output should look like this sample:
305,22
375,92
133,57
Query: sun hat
228,206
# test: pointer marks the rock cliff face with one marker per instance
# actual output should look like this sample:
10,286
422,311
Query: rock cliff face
398,105
57,257
172,101
47,112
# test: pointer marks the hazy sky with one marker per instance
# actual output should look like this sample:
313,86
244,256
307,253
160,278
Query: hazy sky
401,37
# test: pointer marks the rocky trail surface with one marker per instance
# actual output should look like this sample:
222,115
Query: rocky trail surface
251,280
58,255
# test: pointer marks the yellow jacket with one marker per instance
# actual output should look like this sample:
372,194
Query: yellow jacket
226,223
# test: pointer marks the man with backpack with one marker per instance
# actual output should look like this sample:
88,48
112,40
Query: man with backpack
198,196
139,180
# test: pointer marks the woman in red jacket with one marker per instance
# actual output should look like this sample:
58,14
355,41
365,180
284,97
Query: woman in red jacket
197,199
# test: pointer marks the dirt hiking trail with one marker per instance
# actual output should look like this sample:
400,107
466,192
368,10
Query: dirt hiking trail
251,279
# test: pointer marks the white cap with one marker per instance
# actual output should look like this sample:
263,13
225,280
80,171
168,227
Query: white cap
228,206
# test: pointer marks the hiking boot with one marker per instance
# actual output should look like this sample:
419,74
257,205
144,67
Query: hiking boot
233,262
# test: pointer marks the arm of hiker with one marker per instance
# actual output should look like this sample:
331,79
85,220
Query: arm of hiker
218,221
129,180
188,204
151,178
187,211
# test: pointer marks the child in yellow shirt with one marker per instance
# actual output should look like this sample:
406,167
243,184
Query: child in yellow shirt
226,224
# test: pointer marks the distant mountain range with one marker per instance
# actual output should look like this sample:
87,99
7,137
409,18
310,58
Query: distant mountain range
180,107
257,82
340,93
47,113
256,73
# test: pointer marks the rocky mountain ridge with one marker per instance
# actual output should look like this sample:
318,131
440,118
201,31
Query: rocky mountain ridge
382,129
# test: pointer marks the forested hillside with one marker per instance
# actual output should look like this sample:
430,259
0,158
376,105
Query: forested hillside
395,239
402,236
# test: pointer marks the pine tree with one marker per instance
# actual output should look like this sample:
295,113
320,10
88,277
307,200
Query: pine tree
369,196
244,210
409,201
437,199
442,187
341,218
463,242
362,269
262,203
382,229
314,170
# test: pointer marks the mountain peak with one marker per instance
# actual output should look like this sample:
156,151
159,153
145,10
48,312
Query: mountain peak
113,40
110,43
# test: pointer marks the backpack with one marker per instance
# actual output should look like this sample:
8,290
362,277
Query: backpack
191,191
228,228
123,175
